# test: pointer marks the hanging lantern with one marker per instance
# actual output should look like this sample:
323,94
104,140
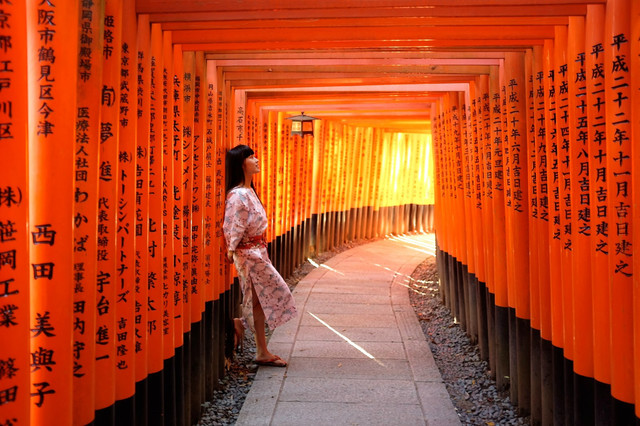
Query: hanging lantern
302,124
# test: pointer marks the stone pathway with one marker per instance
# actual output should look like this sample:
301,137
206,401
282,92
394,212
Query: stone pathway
356,352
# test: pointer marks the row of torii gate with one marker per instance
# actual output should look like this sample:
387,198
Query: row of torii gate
507,127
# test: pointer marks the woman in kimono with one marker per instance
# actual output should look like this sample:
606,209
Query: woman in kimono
265,296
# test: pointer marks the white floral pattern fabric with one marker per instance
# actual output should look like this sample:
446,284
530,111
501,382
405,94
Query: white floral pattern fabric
244,218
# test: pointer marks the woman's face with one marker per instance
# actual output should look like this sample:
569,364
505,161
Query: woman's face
251,165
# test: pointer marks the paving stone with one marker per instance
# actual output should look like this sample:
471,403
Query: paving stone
349,298
338,320
436,404
343,349
363,368
354,308
360,334
311,389
331,414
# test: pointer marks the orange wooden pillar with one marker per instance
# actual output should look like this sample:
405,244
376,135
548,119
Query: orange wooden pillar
449,168
154,248
564,198
465,207
175,116
85,212
285,141
311,170
442,225
107,212
125,230
477,215
341,153
580,223
180,291
499,242
339,187
598,250
438,193
349,182
448,207
380,188
142,217
296,202
565,235
635,132
486,156
541,227
197,234
375,204
478,183
617,50
210,232
554,141
465,201
359,181
327,200
221,148
430,184
269,182
452,125
191,314
533,56
168,243
315,192
460,232
439,182
15,318
188,80
52,87
215,184
516,218
394,200
280,201
555,297
469,269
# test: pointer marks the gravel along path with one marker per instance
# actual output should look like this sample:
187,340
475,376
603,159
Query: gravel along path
473,393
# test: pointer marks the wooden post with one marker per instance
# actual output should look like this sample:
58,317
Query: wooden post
499,242
634,68
598,252
52,113
15,237
617,79
142,215
126,211
580,223
542,230
85,213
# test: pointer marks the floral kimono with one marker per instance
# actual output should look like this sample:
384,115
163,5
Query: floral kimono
245,220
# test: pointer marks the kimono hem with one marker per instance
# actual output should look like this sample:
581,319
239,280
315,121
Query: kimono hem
245,218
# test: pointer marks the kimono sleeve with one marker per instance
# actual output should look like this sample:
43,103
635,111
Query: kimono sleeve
236,216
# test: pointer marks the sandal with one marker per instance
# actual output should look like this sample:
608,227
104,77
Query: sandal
276,361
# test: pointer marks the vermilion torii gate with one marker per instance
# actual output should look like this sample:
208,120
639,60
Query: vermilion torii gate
517,120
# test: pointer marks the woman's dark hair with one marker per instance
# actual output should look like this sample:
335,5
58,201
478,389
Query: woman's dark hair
233,165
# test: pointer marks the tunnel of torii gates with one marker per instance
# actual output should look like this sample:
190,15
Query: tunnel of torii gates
508,127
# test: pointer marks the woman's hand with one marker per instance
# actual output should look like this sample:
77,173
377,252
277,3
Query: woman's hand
230,255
